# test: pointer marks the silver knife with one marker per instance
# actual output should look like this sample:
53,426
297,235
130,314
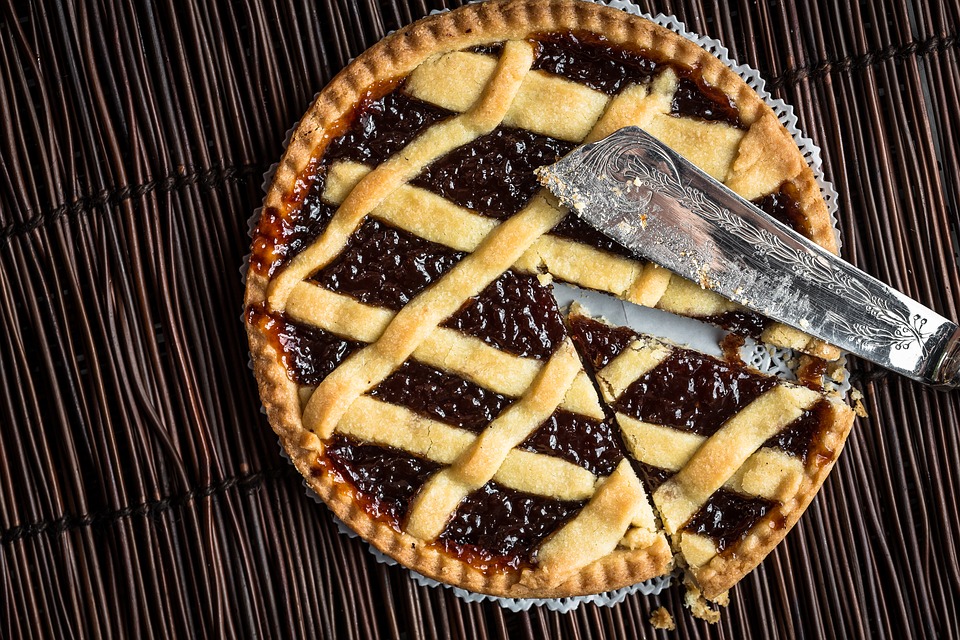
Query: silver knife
651,200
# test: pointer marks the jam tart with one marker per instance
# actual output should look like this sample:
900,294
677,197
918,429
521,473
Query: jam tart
412,358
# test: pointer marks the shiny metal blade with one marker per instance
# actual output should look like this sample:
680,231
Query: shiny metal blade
651,200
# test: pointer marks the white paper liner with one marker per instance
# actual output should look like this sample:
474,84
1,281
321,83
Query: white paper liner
698,335
563,605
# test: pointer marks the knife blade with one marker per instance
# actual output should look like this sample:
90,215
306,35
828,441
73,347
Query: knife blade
654,202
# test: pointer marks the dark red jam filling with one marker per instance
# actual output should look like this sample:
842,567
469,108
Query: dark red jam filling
386,478
493,49
385,266
441,396
697,99
278,238
798,437
592,444
591,60
693,392
727,517
515,313
383,127
493,175
374,131
651,476
742,323
598,342
811,371
784,207
502,527
308,353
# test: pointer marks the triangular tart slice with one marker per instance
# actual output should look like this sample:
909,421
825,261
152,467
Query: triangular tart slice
731,456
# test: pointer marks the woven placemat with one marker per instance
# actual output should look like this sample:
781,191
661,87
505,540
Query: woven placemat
142,492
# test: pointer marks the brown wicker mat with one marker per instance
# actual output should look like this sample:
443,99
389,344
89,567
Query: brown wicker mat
142,490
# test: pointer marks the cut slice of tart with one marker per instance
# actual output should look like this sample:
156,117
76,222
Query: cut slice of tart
731,456
416,369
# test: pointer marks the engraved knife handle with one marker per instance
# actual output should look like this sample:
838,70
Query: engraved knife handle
638,191
947,371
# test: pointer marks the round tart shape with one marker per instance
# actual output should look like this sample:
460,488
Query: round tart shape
408,350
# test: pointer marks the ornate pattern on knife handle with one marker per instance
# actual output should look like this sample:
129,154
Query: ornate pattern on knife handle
642,194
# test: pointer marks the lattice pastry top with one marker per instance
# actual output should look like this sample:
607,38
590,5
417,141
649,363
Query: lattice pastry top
407,347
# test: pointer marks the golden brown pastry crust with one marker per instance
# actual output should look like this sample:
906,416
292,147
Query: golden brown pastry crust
375,71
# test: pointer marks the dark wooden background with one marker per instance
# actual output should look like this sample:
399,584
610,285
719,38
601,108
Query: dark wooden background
141,491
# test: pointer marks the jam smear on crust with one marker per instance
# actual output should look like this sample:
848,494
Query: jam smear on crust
500,527
493,175
598,341
693,392
278,237
798,437
386,479
811,371
592,444
441,396
728,516
730,346
309,354
492,49
385,266
515,313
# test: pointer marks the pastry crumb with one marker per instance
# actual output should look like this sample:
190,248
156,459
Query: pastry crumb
544,278
660,618
730,347
856,397
836,372
699,606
